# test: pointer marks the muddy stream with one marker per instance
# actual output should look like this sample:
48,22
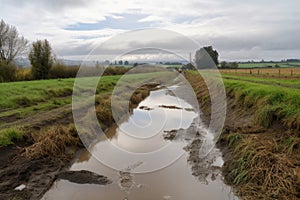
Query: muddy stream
162,122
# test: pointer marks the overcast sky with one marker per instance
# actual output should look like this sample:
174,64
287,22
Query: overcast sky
239,30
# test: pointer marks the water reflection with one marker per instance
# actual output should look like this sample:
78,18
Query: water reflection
188,178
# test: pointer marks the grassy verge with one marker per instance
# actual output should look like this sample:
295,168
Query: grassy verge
261,136
30,102
268,103
8,136
274,81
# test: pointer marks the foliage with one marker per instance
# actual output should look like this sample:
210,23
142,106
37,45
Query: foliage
40,57
206,57
59,70
11,43
213,54
7,72
232,65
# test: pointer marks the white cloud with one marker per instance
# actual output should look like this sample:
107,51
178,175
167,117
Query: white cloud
235,28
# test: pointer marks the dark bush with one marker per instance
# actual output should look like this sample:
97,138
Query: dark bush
7,72
59,70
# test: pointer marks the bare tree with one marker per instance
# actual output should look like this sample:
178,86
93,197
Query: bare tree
11,43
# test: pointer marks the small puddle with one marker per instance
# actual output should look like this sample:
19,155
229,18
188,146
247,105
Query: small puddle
159,120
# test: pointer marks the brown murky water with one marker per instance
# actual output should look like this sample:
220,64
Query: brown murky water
144,132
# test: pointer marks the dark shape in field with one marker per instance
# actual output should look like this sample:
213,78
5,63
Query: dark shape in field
145,108
170,107
170,135
84,177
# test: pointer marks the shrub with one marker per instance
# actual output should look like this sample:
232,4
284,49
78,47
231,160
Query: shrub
7,72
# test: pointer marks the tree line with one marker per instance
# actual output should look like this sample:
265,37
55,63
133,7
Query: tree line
39,53
44,66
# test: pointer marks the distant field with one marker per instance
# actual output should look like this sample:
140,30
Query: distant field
290,83
275,72
261,65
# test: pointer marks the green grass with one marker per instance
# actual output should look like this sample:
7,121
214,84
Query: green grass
8,136
269,102
265,98
20,100
27,93
283,82
40,93
252,65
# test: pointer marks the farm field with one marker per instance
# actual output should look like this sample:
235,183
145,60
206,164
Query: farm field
267,72
45,102
266,64
36,107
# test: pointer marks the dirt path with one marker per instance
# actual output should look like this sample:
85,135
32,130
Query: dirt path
61,115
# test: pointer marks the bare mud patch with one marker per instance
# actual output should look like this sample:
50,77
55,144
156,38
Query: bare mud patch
84,177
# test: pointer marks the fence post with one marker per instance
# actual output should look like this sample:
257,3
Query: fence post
258,72
279,72
291,72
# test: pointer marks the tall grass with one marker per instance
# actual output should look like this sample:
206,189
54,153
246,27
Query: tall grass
10,135
268,103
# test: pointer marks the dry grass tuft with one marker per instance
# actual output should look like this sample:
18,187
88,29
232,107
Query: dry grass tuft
264,168
52,143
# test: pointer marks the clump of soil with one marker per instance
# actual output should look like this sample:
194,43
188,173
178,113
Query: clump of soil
84,177
145,108
126,181
170,107
170,135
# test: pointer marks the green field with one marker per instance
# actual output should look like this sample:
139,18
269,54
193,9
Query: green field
292,83
261,65
44,101
271,102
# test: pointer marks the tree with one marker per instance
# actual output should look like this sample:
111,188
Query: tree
41,59
11,43
120,62
213,54
126,62
234,65
206,57
223,64
188,66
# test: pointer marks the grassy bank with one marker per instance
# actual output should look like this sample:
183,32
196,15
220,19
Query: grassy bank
37,144
268,103
261,139
35,105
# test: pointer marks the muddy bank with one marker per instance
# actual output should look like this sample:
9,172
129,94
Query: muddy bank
29,168
260,162
84,177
